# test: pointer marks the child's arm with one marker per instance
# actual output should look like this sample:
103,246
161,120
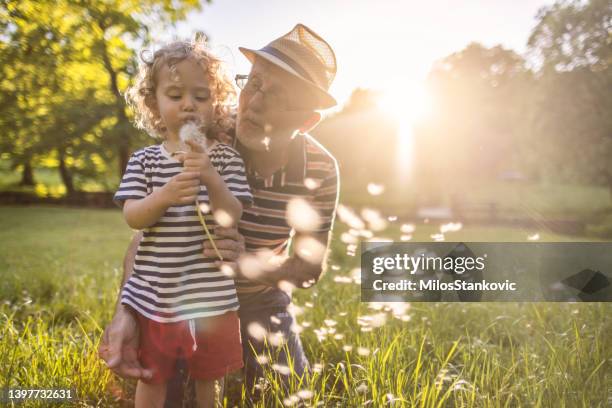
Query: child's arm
182,189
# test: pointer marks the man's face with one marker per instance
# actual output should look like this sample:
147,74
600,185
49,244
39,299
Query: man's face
272,106
183,95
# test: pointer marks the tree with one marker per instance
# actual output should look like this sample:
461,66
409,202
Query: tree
63,65
475,129
573,46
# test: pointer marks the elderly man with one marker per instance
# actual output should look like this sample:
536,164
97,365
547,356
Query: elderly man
279,103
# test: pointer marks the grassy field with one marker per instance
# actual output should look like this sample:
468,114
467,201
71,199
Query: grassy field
59,276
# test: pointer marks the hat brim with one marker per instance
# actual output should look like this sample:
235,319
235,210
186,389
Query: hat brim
325,99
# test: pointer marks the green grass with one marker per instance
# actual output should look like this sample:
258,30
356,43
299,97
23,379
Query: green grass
59,276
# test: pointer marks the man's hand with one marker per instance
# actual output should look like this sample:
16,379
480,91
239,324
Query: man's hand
197,161
230,244
119,346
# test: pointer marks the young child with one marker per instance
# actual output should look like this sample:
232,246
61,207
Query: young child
186,306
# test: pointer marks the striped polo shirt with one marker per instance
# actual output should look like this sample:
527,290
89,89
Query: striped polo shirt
311,173
172,280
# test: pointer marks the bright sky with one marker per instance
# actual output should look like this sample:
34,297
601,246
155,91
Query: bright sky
378,44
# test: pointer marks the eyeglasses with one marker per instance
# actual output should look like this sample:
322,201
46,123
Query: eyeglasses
275,98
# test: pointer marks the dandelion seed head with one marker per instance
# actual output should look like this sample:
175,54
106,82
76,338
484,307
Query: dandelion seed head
190,131
347,348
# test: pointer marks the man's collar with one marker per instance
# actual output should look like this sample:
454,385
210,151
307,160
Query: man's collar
294,171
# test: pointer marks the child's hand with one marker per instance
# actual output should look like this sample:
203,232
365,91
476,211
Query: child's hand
197,161
182,189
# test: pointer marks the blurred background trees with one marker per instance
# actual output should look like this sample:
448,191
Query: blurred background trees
496,115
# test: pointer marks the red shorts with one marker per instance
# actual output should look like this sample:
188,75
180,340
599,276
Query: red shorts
218,352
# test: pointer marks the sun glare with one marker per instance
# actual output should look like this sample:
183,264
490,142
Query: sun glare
408,103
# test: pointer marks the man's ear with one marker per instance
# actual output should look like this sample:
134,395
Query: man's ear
311,122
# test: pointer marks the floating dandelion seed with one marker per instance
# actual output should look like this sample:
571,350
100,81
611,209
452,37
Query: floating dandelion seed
262,359
347,348
406,318
306,324
257,331
310,249
301,216
375,189
305,394
375,221
335,267
342,314
291,401
338,336
308,304
361,389
406,237
348,238
437,237
407,228
250,266
311,183
205,208
266,142
276,339
330,322
348,217
294,310
223,218
392,218
342,279
227,271
534,237
285,286
450,227
281,369
363,351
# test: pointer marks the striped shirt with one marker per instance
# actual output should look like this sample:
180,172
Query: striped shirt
311,173
172,280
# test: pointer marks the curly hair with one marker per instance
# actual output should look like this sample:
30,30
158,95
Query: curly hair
141,96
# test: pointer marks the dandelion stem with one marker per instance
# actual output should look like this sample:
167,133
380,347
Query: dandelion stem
210,238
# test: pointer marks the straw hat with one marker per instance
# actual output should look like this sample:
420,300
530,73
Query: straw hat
305,55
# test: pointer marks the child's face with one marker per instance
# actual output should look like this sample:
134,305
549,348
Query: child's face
183,96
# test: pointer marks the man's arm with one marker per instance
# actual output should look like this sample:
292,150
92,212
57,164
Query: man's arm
119,343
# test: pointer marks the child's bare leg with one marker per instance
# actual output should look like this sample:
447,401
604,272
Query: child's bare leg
209,393
150,395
